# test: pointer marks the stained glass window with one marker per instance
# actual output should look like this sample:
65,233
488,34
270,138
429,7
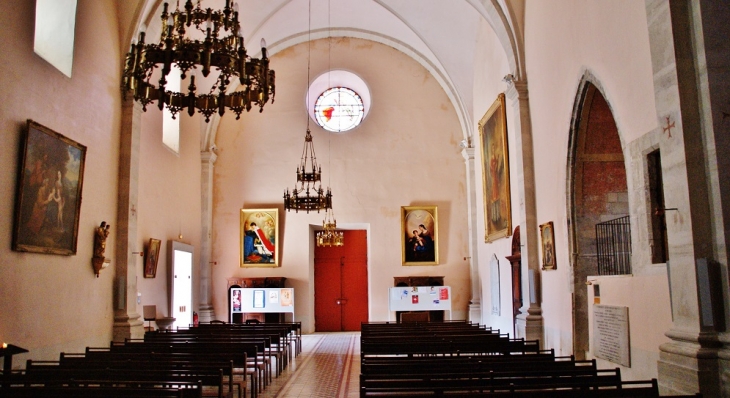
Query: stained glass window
339,109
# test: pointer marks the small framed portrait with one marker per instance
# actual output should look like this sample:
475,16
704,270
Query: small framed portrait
259,238
419,235
547,238
48,201
153,257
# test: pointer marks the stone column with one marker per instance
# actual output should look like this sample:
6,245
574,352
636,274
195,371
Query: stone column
206,312
127,322
475,305
529,323
689,362
714,89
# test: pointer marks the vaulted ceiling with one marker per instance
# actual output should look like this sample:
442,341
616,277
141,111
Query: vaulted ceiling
441,35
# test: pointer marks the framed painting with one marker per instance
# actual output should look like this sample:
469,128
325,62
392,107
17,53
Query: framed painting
495,172
153,256
259,238
547,239
48,193
419,235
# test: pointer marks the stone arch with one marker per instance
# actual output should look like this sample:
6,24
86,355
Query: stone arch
596,191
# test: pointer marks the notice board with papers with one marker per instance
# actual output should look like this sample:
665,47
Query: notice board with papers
420,298
255,300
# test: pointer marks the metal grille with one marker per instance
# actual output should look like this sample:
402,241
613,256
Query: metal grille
613,245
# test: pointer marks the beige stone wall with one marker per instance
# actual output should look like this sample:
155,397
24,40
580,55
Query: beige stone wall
405,153
51,303
169,203
488,84
610,42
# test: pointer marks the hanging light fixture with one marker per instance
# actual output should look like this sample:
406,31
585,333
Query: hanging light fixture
308,194
219,45
329,236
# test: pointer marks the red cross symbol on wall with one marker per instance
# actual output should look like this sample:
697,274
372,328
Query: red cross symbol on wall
668,127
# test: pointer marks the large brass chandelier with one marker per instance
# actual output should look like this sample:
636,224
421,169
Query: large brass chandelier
329,236
308,194
219,44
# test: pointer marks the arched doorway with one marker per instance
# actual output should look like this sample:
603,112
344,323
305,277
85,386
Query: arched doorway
598,192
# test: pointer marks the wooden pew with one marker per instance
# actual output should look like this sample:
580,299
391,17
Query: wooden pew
238,353
462,359
487,381
261,362
101,389
218,376
294,330
276,339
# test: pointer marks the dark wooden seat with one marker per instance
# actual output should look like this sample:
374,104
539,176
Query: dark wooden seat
421,359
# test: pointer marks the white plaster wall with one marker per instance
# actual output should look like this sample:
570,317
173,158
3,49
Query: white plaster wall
636,292
168,205
490,67
564,40
405,153
50,303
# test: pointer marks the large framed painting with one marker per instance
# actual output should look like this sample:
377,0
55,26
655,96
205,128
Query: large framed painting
259,237
419,235
495,172
547,239
48,194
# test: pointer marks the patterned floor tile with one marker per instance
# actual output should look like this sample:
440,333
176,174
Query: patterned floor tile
329,366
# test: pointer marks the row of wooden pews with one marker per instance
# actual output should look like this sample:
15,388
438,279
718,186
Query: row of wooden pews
216,359
465,359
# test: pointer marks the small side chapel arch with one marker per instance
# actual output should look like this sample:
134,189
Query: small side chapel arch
597,191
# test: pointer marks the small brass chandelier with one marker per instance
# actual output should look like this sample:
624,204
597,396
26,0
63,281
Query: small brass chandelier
221,48
308,194
329,236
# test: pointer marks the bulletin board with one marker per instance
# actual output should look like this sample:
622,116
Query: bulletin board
420,298
277,300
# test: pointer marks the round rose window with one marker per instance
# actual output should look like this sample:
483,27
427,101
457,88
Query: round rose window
339,109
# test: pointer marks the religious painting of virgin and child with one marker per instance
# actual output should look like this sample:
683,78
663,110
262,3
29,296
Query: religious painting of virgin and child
495,172
419,235
259,237
48,198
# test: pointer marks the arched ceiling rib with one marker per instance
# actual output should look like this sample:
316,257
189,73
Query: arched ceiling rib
441,35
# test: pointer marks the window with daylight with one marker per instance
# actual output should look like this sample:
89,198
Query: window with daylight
339,109
55,22
170,125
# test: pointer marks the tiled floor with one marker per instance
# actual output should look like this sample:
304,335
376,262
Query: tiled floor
329,366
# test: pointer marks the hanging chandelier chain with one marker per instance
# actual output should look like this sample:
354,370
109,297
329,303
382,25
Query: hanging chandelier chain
308,194
329,236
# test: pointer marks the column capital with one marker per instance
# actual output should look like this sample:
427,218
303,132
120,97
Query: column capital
468,154
208,157
516,90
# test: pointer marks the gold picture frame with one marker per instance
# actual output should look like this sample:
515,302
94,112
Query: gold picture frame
547,240
48,195
259,238
152,258
419,235
495,172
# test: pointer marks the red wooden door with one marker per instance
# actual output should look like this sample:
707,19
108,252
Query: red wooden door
341,284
